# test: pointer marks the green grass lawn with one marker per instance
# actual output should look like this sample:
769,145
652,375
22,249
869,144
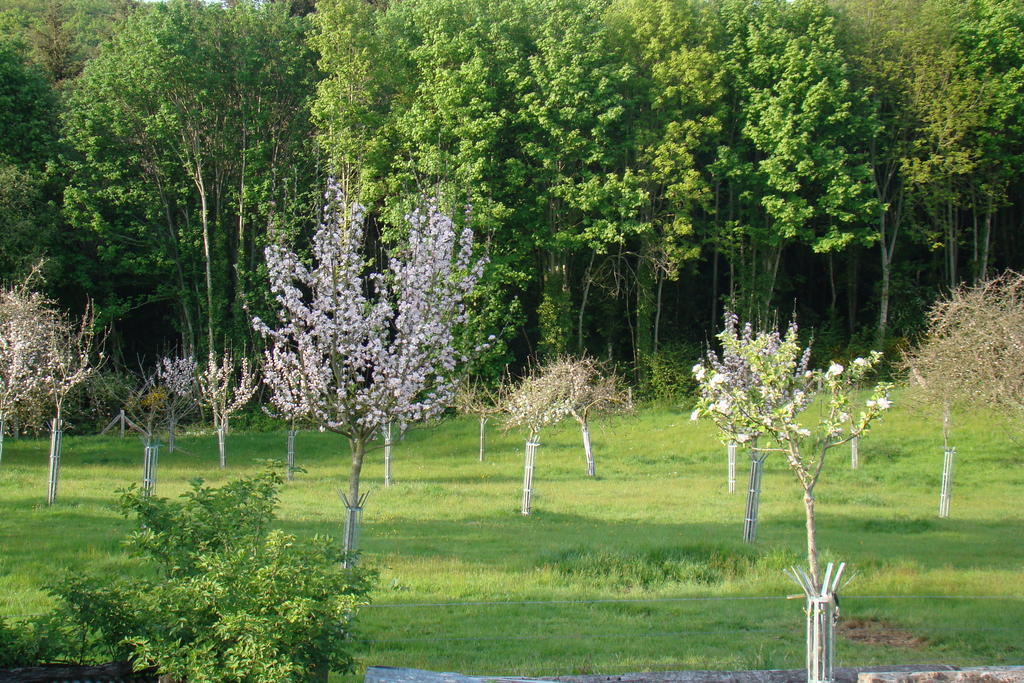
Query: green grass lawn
642,568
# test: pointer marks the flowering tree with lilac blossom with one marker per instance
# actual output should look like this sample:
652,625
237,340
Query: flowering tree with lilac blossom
760,387
224,390
355,350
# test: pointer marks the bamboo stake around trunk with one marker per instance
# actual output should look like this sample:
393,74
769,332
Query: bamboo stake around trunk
753,496
591,469
56,436
221,445
531,456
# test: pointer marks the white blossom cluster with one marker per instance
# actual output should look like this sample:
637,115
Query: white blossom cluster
23,351
354,350
175,383
761,385
44,353
223,388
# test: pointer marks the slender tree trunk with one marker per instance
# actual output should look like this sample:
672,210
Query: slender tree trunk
358,447
657,309
205,217
812,537
587,450
883,302
483,436
986,240
583,307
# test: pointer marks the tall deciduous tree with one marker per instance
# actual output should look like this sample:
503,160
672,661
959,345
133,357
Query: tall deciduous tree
28,136
191,141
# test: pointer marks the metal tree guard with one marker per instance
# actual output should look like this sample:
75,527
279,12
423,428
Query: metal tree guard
353,520
149,460
220,445
822,614
56,435
531,456
753,495
387,454
591,467
172,426
854,452
731,449
291,454
483,436
947,481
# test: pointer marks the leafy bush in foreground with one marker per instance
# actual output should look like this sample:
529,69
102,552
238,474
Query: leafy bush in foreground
233,601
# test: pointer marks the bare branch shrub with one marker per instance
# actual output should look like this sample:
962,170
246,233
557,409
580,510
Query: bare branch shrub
973,353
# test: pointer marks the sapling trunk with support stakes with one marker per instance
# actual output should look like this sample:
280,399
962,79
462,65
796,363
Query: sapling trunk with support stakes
69,346
750,517
149,462
948,454
474,398
530,453
483,436
387,453
538,400
291,453
56,436
355,350
589,390
761,386
731,465
225,386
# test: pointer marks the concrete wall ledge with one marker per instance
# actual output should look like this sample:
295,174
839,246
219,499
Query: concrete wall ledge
920,673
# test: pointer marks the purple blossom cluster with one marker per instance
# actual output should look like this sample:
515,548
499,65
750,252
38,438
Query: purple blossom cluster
354,350
767,370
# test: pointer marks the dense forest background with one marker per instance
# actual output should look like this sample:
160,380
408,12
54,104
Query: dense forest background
630,166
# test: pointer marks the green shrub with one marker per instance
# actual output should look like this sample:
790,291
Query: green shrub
231,601
666,376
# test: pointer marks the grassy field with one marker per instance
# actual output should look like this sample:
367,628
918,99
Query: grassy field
642,568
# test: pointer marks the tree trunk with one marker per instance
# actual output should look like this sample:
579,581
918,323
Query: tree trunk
387,454
221,445
358,446
353,504
530,457
585,428
54,475
483,436
812,536
205,219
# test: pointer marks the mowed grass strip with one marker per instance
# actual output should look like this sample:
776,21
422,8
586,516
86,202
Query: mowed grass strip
640,568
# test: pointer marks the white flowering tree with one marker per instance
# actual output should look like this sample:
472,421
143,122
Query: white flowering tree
69,348
354,350
538,400
225,387
760,387
23,353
